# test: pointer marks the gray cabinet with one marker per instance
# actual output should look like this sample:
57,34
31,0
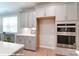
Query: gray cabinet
27,19
31,19
40,11
20,39
45,11
71,11
66,12
23,19
30,43
50,11
60,12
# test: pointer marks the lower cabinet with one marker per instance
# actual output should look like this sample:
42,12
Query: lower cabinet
28,41
20,39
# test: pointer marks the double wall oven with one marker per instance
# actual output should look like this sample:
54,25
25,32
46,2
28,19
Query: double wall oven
66,35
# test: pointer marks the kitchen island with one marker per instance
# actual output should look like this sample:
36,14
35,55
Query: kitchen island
8,49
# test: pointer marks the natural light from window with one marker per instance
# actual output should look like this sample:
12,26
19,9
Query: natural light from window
10,24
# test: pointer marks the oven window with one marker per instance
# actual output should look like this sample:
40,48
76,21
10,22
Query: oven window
62,39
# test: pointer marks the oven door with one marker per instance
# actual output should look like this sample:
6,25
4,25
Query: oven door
65,41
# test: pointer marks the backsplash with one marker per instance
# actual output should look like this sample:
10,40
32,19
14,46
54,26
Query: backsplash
28,30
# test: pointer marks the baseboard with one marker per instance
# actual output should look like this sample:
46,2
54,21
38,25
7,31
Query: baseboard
47,47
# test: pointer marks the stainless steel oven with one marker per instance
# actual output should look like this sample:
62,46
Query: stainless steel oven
66,35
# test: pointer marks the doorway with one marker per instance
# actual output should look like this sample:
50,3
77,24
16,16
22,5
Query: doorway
46,31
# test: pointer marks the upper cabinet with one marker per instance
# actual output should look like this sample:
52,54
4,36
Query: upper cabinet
60,12
71,10
66,12
31,19
27,19
40,11
45,11
63,12
50,11
22,20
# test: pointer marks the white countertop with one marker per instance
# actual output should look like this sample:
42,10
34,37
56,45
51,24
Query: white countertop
7,48
25,34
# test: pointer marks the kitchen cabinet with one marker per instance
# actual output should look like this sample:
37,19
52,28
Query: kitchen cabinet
45,11
31,19
60,12
20,39
71,11
50,11
30,43
66,12
40,11
27,19
24,20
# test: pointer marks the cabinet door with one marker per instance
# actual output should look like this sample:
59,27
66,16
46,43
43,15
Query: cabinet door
50,11
20,40
23,20
71,10
32,43
40,11
26,19
60,12
31,19
27,43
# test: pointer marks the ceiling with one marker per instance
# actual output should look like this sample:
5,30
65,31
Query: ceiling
8,7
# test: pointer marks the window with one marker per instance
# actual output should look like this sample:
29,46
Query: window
10,24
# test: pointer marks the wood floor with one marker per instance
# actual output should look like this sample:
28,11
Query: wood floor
39,52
